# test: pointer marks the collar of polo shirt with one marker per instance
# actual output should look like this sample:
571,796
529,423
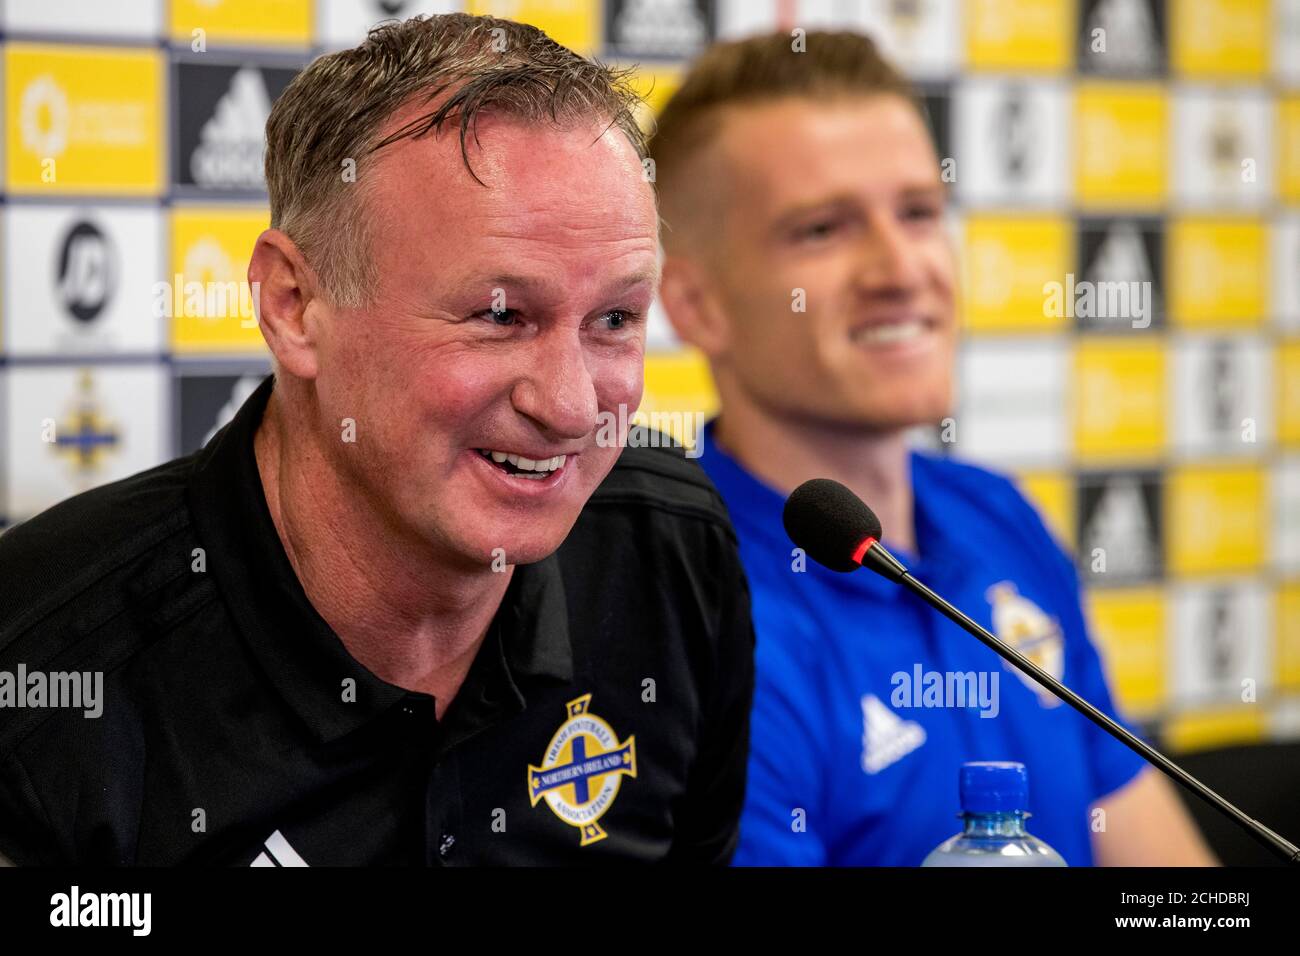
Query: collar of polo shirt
303,658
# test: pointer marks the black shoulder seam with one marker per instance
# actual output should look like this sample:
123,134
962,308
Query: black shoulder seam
716,517
143,541
667,463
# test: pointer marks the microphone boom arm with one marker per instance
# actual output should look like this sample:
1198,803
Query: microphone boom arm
875,556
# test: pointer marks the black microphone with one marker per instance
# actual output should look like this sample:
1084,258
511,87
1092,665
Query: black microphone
836,529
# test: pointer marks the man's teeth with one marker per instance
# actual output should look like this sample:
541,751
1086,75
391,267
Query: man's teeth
539,469
889,332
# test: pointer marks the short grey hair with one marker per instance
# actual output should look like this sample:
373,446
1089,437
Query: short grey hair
332,111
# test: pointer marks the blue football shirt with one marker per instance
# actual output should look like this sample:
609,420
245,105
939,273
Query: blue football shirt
867,701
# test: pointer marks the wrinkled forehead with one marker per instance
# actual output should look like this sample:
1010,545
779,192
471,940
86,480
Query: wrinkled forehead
568,205
581,174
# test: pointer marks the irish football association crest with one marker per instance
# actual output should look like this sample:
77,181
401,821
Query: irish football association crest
1021,623
581,772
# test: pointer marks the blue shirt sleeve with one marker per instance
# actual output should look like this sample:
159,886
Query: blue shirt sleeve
782,822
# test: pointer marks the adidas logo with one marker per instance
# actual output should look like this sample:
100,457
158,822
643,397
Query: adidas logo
277,852
230,144
1121,526
1122,258
1133,45
886,737
661,26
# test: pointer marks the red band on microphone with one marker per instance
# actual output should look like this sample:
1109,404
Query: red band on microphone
861,551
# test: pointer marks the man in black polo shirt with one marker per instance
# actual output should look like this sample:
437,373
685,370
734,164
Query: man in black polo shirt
408,607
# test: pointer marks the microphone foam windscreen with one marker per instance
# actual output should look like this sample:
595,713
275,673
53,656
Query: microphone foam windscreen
829,522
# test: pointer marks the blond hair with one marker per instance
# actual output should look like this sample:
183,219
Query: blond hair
752,71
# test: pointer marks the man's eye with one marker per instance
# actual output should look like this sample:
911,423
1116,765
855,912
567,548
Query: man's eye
818,230
617,318
921,212
503,317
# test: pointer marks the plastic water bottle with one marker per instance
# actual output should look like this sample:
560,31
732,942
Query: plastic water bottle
994,795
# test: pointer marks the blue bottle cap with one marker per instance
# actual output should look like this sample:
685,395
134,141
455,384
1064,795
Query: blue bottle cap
993,786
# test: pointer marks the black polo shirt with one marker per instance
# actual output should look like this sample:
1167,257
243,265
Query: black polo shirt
605,717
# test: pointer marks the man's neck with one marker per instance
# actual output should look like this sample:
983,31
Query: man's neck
784,454
408,618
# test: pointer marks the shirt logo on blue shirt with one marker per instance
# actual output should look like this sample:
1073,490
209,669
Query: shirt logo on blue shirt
886,737
1022,624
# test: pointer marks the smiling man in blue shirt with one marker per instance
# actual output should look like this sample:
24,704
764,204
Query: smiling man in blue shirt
806,256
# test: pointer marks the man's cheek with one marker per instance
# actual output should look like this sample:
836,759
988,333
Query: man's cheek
941,268
595,464
619,384
453,392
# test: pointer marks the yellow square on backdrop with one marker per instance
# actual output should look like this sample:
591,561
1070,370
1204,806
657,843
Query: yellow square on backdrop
1288,637
1121,144
1129,626
679,396
242,21
211,304
1215,518
572,23
679,380
83,120
1119,400
1220,37
1288,148
1052,493
1205,729
1006,262
1218,271
1288,388
1020,34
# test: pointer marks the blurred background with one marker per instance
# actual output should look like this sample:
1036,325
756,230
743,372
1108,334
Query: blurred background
1125,178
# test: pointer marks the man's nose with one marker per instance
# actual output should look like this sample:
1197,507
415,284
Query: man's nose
556,390
891,262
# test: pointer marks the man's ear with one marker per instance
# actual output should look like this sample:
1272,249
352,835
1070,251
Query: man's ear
692,306
286,294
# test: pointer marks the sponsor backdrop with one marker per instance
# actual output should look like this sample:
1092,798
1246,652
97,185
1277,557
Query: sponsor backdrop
1126,181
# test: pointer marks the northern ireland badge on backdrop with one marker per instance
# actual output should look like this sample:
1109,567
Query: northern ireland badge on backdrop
71,428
